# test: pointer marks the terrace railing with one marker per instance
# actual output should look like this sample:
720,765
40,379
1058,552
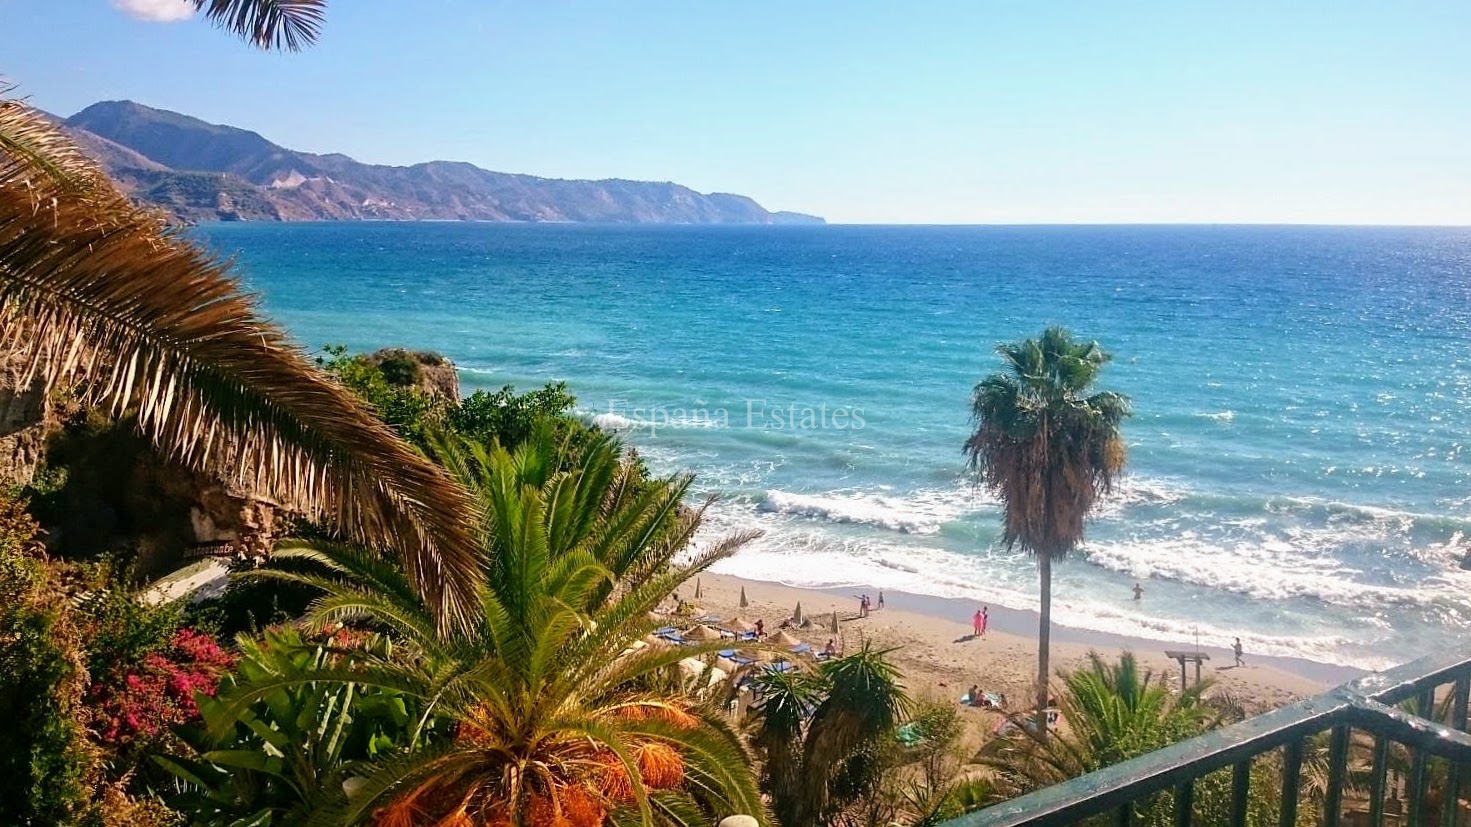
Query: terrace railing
1365,717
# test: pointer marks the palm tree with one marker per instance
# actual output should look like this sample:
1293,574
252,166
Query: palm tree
1047,451
815,732
558,709
99,299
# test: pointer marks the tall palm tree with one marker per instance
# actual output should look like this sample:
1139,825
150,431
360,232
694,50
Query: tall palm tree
559,710
1047,450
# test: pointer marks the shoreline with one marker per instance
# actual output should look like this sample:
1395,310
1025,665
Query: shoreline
932,643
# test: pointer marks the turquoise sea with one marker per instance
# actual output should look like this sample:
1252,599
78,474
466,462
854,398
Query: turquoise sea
1298,465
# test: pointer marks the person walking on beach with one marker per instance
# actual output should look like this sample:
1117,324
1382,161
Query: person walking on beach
977,623
881,598
985,619
862,605
1236,648
1138,592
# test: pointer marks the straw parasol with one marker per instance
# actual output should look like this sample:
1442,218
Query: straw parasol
739,624
744,603
759,655
702,633
835,622
728,665
797,615
781,638
655,641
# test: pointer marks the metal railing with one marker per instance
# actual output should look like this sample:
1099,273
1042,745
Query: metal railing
1364,718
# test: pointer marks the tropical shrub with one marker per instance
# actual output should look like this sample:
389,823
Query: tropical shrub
285,751
824,736
1117,711
538,711
135,706
45,761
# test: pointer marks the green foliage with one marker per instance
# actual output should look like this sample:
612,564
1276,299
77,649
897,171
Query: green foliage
275,756
407,409
826,737
1117,711
509,418
120,629
940,725
388,383
45,762
575,560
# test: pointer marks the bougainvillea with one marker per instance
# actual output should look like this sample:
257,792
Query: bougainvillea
145,701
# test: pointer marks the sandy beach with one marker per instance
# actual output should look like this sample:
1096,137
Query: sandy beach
933,645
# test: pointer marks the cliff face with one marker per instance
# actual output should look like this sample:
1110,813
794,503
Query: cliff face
205,172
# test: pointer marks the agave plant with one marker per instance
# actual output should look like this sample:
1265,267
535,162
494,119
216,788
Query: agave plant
557,709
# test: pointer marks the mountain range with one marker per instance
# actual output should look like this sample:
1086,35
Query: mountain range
199,171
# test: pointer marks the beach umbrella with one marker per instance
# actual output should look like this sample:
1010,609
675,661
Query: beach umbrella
797,615
744,602
697,589
835,622
759,655
738,624
702,633
783,639
727,665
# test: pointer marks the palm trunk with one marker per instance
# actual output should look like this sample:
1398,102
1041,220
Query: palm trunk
1044,629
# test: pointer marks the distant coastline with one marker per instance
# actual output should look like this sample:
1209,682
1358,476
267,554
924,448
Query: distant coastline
200,172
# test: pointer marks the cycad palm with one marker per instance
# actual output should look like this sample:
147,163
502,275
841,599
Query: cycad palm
1047,450
555,708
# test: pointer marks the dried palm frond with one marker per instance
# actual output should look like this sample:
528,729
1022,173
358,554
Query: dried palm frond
97,297
269,24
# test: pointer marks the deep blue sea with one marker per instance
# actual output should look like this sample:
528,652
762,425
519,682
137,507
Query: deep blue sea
1298,472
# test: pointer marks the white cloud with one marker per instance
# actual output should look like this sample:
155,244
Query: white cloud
158,11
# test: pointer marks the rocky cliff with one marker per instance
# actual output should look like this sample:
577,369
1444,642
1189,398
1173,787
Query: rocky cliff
206,172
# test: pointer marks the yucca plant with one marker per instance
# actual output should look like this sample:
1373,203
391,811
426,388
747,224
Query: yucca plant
558,715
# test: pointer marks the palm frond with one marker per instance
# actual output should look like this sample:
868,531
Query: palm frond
97,297
291,25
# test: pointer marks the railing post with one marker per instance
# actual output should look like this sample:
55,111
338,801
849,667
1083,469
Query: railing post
1240,792
1453,781
1183,803
1378,770
1426,702
1337,766
1291,774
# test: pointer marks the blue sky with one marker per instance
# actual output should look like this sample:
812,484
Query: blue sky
874,112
